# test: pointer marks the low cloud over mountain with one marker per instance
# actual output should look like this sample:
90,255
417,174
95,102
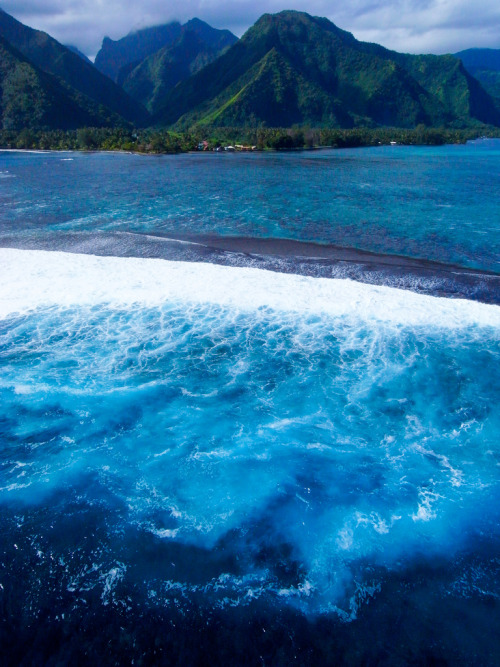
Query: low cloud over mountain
416,26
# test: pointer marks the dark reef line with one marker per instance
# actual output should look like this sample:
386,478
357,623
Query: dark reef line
282,256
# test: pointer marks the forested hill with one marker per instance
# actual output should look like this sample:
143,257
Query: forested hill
148,62
291,68
134,47
484,65
54,58
32,99
197,45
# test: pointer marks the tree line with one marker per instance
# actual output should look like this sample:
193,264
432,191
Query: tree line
153,141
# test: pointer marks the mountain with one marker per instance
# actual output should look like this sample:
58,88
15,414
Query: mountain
292,68
484,65
31,98
197,45
76,50
216,39
114,55
54,58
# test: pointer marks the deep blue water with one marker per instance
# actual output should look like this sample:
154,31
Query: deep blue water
219,464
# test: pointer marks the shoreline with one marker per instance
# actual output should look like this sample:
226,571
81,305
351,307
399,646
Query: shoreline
46,279
282,256
164,142
258,151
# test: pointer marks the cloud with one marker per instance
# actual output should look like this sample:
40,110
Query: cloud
416,26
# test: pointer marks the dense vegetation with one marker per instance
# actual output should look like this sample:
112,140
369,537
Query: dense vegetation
84,83
30,98
163,141
197,45
484,65
291,68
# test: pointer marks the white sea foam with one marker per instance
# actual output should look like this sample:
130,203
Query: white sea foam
110,580
23,150
30,279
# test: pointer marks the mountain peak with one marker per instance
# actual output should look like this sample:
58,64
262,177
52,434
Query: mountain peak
303,69
198,44
298,26
196,23
134,47
202,27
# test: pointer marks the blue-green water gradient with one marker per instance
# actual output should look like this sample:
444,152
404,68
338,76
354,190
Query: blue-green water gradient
439,203
224,464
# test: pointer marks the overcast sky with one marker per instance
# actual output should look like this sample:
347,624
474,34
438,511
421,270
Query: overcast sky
415,26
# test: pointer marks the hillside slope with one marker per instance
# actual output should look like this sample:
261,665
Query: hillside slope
197,45
292,68
484,65
75,49
54,58
31,98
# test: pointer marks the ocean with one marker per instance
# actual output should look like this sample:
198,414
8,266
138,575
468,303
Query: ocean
249,407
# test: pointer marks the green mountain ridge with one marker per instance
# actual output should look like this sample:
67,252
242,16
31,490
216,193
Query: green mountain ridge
292,68
484,65
134,48
198,45
118,58
288,70
55,59
76,50
33,99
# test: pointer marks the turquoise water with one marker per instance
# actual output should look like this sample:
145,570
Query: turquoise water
434,203
202,460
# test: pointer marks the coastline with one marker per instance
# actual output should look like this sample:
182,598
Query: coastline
281,256
169,142
40,278
302,149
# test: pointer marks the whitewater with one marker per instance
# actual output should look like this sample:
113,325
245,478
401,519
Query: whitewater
234,390
201,459
37,278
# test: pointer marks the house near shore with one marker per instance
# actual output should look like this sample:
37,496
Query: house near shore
204,146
